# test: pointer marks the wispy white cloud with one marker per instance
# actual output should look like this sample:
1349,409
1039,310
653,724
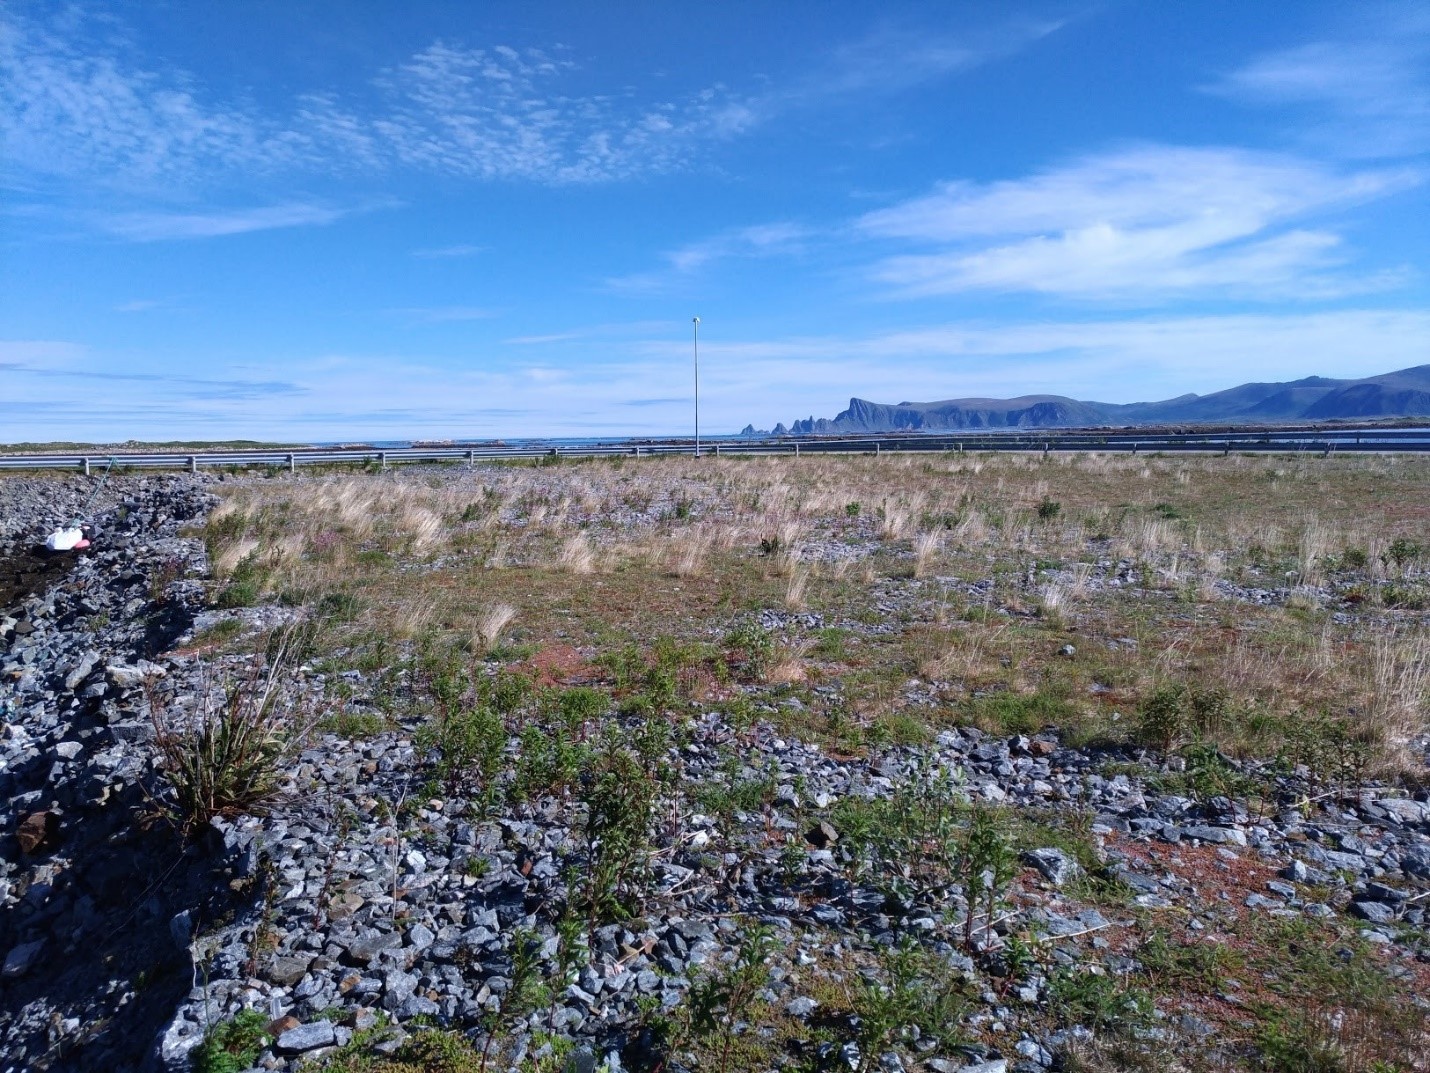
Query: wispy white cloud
1367,92
84,103
89,108
1142,223
159,226
442,252
443,314
140,305
894,58
621,330
760,240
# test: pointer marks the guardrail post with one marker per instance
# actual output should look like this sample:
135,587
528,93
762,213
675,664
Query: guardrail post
1134,448
796,449
471,459
382,460
193,463
292,464
1226,449
876,447
1327,452
717,450
1045,448
84,464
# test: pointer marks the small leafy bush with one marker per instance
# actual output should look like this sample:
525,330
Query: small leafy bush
1048,509
918,997
753,646
467,746
1403,551
619,798
719,1001
1169,715
231,1046
1099,1001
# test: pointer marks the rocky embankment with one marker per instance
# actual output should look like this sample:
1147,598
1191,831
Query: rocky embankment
371,901
92,902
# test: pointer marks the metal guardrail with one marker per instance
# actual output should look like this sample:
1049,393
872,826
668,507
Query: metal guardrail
1318,441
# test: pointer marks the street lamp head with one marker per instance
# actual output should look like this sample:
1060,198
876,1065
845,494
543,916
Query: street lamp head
697,320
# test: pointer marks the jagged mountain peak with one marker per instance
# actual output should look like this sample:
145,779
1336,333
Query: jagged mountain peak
1403,393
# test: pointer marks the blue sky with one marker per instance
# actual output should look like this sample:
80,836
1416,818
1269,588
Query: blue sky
352,221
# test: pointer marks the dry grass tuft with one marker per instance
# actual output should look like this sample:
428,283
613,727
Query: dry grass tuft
691,552
577,557
789,662
490,625
926,546
794,591
228,560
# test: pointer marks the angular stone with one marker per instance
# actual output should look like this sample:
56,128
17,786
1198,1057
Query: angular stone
1216,835
307,1037
1375,912
399,987
363,950
822,834
417,1006
21,959
801,1007
1057,867
37,831
420,936
287,971
1405,811
81,670
1380,892
123,676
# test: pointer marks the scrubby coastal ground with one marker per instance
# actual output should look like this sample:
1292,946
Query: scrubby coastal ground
898,762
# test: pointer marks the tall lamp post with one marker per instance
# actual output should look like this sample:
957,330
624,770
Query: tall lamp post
696,328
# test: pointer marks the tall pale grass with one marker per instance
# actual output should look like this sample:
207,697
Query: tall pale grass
490,624
926,547
690,553
577,556
794,591
228,559
1400,685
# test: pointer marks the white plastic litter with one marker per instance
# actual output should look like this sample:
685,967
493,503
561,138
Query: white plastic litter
64,539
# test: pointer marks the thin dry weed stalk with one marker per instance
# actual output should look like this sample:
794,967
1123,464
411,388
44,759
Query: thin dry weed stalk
497,558
895,523
424,527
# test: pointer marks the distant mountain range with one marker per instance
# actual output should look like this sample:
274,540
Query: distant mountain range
1316,398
